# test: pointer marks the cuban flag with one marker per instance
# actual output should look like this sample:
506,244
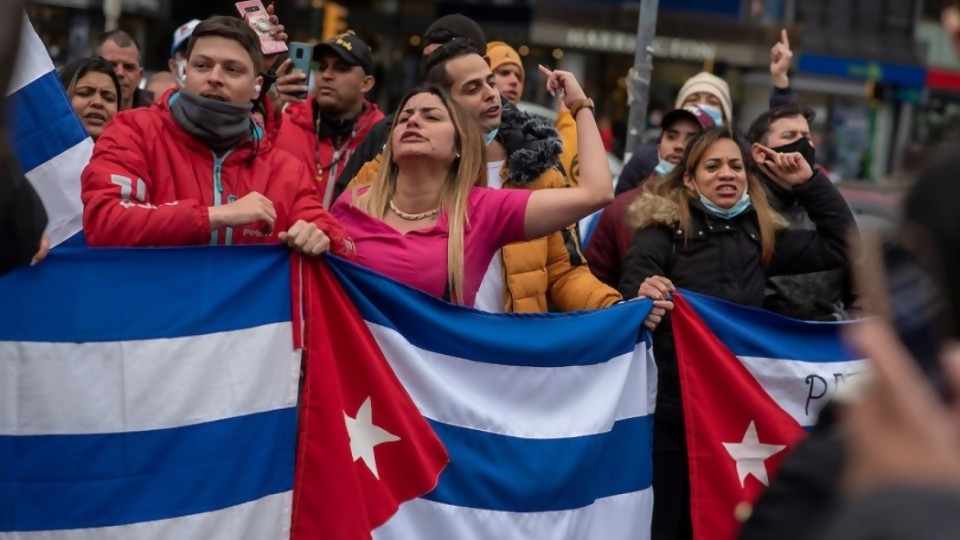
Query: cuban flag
47,138
153,394
148,394
753,383
546,419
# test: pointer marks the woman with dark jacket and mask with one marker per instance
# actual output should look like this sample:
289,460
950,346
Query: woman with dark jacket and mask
709,228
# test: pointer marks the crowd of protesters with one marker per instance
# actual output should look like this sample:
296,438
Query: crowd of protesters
462,195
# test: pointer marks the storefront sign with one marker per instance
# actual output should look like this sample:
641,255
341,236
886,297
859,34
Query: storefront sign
904,75
943,80
663,47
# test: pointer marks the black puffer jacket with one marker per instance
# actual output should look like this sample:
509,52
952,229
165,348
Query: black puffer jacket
818,296
722,259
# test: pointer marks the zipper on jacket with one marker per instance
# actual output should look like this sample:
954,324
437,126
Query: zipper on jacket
218,195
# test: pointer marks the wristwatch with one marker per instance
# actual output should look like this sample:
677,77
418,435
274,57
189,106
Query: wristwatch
582,103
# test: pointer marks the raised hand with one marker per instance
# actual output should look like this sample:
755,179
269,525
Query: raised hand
780,59
790,168
279,33
289,83
563,85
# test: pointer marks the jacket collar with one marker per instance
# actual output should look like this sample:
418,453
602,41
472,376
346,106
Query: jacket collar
532,143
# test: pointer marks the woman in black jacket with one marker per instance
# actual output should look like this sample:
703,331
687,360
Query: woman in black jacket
708,227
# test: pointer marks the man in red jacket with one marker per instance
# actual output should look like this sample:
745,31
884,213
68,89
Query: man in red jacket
324,131
195,169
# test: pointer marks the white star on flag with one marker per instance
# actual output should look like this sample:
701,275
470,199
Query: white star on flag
365,436
750,455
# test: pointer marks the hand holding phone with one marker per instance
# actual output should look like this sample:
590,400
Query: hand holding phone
253,12
296,70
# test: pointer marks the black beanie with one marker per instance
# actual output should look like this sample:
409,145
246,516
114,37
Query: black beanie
456,25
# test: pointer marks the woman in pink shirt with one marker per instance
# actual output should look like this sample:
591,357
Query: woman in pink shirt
428,221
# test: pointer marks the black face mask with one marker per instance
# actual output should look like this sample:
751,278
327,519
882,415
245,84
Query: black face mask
802,145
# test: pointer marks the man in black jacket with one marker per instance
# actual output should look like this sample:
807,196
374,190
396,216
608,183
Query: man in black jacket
821,296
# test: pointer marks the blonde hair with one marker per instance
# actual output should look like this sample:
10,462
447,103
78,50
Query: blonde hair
468,170
673,188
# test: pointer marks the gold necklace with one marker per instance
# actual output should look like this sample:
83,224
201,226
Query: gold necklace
413,217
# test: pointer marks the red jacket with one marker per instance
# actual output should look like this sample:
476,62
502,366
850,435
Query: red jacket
149,183
298,135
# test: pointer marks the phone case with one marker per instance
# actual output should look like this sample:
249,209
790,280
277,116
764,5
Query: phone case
256,16
304,63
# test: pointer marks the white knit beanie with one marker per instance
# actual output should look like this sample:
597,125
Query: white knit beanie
710,84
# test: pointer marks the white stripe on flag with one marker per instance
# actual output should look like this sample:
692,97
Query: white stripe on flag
63,145
557,402
622,517
33,61
48,388
801,388
58,183
264,519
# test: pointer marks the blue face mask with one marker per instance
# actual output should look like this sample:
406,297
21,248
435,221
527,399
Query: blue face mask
664,167
489,137
726,213
715,113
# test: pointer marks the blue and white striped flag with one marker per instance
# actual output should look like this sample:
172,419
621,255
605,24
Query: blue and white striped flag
547,419
47,137
148,395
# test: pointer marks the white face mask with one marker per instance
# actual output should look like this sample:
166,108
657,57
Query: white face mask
181,70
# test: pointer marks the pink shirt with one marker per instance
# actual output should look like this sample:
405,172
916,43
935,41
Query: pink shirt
419,258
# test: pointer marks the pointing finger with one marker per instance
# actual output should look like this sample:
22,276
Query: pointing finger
784,38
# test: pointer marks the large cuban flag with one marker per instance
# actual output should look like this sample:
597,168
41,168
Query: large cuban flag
47,137
148,394
753,382
546,419
153,394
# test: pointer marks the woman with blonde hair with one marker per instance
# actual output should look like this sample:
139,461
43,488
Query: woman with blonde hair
429,221
707,227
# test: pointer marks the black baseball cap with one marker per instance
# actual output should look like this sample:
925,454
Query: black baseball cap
351,49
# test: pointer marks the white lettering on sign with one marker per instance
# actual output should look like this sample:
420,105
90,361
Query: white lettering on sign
666,47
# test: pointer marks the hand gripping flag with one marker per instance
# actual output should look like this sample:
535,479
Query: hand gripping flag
752,382
47,137
547,419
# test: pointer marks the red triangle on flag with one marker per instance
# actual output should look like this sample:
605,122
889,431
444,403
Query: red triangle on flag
737,435
363,447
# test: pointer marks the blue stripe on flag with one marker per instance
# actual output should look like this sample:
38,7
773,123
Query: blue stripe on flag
54,482
518,339
498,472
41,122
129,294
754,332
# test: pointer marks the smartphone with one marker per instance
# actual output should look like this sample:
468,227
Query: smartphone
256,16
301,56
905,287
